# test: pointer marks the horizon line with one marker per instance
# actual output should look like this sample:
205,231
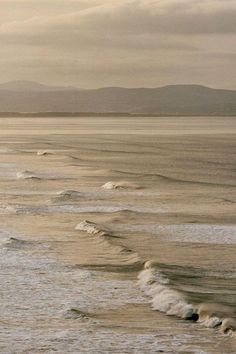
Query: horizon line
71,87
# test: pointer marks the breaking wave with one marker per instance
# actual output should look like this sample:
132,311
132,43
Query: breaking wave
27,175
44,152
91,228
106,239
164,299
174,302
33,176
120,185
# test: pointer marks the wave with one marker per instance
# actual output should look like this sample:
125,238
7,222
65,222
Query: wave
170,179
120,185
72,196
105,238
66,195
164,299
14,242
11,242
173,302
33,176
27,175
90,228
77,314
44,152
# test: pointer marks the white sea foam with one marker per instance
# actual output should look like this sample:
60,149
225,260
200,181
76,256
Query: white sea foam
172,302
44,152
39,297
213,315
44,176
163,298
120,185
211,322
26,175
194,233
90,228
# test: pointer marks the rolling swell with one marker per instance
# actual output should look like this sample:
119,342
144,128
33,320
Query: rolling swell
120,185
27,175
170,179
188,293
105,241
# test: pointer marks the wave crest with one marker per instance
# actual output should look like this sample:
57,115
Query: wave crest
120,185
90,228
44,153
172,302
26,175
164,299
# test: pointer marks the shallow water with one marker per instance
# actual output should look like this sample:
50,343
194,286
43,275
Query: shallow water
38,296
71,291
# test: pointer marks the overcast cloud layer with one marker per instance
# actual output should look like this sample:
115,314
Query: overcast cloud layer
94,43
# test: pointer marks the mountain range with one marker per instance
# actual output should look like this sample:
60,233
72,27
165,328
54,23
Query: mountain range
27,96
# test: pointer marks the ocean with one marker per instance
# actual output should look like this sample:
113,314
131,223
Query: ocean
118,235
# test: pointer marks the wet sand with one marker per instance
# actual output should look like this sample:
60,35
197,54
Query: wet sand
75,290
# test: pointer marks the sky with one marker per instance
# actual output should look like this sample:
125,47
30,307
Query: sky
128,43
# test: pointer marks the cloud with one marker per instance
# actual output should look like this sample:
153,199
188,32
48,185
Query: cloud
135,17
121,24
137,41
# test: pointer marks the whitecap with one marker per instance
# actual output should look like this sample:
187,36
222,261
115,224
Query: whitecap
90,228
26,175
44,152
120,185
163,298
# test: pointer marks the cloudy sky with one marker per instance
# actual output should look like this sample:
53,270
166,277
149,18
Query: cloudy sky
130,43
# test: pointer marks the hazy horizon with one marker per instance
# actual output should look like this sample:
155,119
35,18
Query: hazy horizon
99,43
73,87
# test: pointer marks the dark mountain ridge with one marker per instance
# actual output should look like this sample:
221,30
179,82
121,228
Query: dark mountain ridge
172,99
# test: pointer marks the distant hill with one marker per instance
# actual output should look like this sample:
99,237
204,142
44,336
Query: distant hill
24,96
29,86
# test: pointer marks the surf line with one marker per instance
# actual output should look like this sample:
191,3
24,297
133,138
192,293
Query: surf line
171,302
108,241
